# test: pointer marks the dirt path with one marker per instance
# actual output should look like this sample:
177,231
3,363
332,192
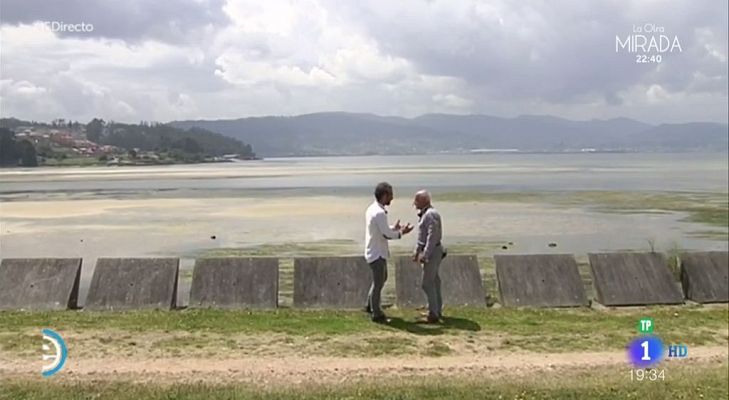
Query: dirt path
263,370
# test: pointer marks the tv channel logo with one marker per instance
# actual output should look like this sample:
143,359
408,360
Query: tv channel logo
645,351
648,350
58,350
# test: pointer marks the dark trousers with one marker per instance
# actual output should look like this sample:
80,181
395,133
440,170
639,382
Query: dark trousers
379,276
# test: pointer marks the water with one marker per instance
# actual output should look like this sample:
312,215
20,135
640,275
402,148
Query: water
502,172
183,210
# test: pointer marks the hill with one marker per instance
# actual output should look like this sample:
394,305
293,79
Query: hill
339,133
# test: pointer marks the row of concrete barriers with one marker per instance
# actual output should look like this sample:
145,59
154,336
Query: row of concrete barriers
545,280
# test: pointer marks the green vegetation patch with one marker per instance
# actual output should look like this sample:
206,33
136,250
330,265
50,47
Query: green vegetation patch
546,330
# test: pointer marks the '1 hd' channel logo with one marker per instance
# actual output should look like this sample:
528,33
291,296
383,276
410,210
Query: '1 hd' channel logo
648,350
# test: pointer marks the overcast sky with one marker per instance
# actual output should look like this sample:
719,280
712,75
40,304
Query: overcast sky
190,59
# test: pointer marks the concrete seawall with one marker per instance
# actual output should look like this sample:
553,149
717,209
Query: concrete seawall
342,282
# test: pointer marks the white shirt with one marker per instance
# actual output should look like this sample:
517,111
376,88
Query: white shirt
377,233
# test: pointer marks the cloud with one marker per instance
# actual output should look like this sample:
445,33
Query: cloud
452,101
176,21
275,43
222,59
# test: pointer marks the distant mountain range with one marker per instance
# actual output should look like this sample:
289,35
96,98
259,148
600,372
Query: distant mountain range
340,133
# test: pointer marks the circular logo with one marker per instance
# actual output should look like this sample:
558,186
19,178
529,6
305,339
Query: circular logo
645,351
60,352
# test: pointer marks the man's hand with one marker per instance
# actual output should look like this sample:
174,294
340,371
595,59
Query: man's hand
397,226
407,228
422,259
415,257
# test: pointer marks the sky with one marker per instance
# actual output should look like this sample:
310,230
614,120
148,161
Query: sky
146,60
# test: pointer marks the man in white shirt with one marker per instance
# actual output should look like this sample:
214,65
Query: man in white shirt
377,250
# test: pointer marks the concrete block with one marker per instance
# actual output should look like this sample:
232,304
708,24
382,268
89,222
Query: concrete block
39,283
331,282
133,283
623,279
234,282
705,276
540,280
461,283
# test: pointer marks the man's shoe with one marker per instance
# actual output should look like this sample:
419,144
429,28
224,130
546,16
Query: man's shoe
381,320
426,314
367,309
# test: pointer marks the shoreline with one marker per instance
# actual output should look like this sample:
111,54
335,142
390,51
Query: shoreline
100,164
472,152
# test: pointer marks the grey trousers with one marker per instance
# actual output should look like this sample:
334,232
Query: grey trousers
379,276
431,283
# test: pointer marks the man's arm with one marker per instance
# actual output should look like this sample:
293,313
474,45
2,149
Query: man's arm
387,232
419,243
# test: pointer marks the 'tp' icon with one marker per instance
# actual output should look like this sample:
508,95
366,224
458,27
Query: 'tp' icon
645,325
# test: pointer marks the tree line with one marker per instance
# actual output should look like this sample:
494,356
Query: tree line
191,145
16,152
150,136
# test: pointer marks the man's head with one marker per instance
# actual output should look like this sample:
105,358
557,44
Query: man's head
383,193
422,199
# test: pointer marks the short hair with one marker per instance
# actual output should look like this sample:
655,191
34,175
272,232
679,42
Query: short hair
423,193
382,189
